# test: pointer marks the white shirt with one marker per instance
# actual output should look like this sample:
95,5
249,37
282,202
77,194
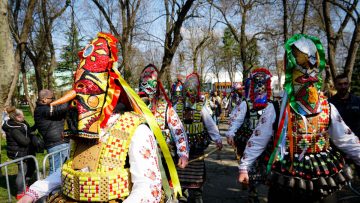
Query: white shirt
145,173
236,118
340,134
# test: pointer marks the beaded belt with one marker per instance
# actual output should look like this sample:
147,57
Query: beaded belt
95,186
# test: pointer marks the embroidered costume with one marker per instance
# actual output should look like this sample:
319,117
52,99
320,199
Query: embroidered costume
113,152
304,166
244,120
159,104
176,91
199,126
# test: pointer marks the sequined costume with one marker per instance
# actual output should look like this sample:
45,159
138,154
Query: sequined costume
199,126
303,165
244,120
113,153
169,122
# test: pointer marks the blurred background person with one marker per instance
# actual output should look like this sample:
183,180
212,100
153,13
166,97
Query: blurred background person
18,144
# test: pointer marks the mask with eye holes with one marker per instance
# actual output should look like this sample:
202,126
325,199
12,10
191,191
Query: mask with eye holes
305,59
148,84
96,90
260,89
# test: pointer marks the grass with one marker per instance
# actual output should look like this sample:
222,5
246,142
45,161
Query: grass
12,169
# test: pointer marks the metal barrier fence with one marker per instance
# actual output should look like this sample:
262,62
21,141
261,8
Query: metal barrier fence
52,156
21,160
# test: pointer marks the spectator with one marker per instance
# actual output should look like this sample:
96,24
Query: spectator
347,103
215,105
224,105
51,125
348,106
18,141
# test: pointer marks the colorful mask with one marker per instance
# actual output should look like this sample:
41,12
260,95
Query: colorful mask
95,93
150,86
191,90
305,59
148,83
176,91
260,90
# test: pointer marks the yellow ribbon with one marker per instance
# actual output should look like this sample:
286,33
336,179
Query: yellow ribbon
157,132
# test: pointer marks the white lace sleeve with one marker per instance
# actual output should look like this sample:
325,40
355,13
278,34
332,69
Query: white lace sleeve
343,137
210,125
236,119
144,168
259,138
178,132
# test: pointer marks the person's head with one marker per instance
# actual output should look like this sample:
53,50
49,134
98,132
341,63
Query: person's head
15,114
46,96
342,84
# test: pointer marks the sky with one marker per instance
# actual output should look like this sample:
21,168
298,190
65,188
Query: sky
152,37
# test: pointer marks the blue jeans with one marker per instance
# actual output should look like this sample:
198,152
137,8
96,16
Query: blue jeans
58,159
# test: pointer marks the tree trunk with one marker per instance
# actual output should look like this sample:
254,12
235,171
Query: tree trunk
243,41
7,63
354,46
26,90
285,19
330,38
20,48
173,32
303,29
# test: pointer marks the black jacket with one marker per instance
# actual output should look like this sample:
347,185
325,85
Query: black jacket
50,126
18,139
349,110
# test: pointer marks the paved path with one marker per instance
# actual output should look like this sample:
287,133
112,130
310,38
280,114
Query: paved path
222,186
222,172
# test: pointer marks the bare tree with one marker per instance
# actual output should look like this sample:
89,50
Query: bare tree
48,21
129,10
306,8
176,14
21,38
285,20
241,36
333,37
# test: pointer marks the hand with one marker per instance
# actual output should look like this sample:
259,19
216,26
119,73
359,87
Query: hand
26,199
219,145
183,162
244,177
230,140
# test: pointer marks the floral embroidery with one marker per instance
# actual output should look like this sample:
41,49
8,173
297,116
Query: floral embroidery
150,174
145,153
178,133
33,194
155,191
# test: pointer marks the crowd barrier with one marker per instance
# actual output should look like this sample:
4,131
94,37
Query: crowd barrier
16,161
38,173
